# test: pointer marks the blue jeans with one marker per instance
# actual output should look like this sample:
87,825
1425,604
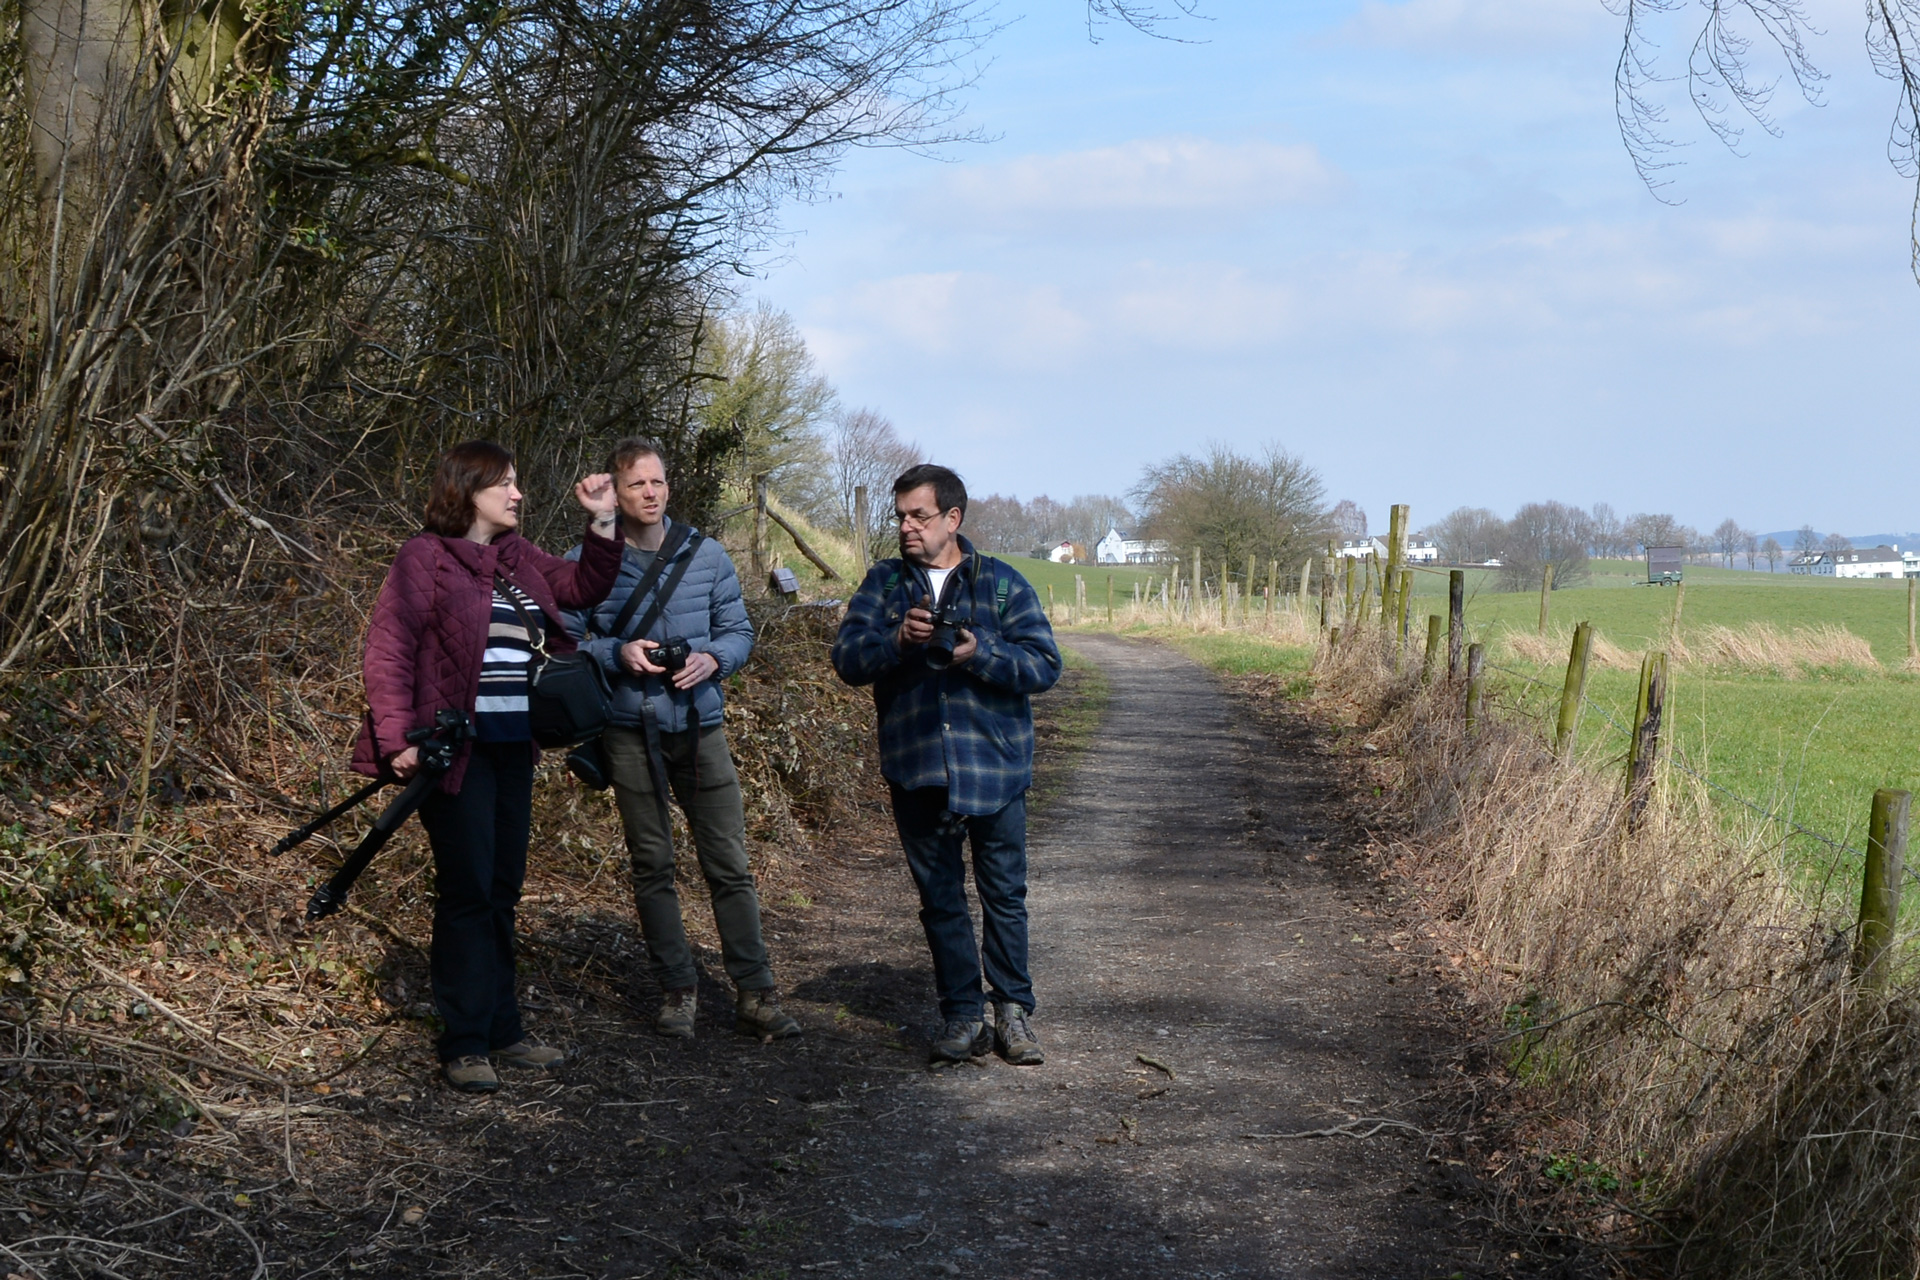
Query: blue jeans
934,840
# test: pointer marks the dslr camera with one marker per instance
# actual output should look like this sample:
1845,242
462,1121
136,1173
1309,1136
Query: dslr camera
671,654
947,620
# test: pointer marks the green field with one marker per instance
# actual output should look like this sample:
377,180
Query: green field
1809,750
1044,573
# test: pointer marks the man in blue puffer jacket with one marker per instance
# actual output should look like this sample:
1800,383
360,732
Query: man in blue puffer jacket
670,723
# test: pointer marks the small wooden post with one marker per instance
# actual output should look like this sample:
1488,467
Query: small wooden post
1433,649
1643,747
1402,598
1136,587
1366,590
1476,687
1273,586
1246,603
1546,588
1881,885
1196,586
1456,619
1679,602
1306,579
1396,557
1049,602
758,552
1326,588
1348,565
1333,638
1913,649
1573,692
862,526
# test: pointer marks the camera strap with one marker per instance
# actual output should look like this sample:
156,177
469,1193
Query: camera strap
676,535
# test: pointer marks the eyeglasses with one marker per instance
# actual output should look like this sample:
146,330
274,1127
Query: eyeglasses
901,519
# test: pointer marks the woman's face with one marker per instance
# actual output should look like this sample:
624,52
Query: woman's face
496,509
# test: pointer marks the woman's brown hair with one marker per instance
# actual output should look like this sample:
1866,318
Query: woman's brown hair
464,470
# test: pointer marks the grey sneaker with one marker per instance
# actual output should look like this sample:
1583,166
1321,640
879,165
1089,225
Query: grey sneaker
525,1053
960,1040
758,1013
472,1074
1013,1037
675,1018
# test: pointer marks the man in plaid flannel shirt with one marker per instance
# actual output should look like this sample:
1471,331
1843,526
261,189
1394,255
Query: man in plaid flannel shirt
956,749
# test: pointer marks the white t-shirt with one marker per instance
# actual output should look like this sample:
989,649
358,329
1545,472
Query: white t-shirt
937,579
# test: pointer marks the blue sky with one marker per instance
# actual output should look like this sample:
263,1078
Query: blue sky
1400,239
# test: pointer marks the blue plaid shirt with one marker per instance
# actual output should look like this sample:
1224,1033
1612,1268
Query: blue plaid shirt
968,728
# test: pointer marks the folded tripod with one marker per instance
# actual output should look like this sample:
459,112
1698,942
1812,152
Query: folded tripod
437,742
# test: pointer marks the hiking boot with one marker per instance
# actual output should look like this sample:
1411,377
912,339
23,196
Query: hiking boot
472,1074
525,1053
1013,1038
675,1018
758,1013
960,1040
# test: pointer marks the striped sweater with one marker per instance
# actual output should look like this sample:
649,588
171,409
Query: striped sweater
500,711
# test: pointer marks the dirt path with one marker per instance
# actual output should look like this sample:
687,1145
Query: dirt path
1200,897
1189,906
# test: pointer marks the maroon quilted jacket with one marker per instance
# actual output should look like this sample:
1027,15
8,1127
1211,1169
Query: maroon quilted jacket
429,628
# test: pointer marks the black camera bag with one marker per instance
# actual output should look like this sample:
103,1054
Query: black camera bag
568,698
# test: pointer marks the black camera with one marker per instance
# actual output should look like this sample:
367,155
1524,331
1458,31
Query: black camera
671,654
947,621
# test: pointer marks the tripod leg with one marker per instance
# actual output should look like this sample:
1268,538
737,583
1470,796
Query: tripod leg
332,895
303,834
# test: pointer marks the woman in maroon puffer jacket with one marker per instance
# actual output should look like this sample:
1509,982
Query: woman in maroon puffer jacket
452,630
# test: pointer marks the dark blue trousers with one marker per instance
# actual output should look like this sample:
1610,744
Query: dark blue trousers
935,841
479,864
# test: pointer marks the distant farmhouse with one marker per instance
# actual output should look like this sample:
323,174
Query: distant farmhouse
1874,562
1419,551
1063,553
1116,548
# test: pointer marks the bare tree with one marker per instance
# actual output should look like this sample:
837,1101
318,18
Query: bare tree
1607,534
1750,543
865,450
1543,533
1468,535
1347,520
1657,530
1835,543
1726,539
1232,506
1772,550
1806,540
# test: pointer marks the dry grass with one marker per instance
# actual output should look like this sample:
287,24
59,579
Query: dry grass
1757,646
1665,995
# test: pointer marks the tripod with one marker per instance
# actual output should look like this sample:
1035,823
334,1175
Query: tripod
437,742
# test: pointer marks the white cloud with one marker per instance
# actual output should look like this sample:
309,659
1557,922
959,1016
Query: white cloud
1457,25
1184,175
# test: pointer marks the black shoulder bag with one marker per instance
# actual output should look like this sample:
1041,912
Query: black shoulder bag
587,761
568,699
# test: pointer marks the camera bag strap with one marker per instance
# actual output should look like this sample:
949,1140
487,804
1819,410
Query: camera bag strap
649,716
676,535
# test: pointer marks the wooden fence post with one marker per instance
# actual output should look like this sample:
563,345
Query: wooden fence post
1679,602
1573,692
1476,686
1306,579
1110,598
1333,637
1913,649
861,516
1195,614
1546,587
1049,602
1326,588
1402,598
1880,886
1643,747
1456,619
1433,649
757,553
1396,556
1348,564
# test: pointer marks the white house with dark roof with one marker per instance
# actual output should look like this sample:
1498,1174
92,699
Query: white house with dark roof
1117,548
1857,562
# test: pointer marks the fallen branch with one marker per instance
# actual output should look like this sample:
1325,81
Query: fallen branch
1351,1129
800,542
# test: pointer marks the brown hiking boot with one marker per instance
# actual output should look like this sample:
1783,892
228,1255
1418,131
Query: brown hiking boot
675,1018
472,1074
758,1013
525,1053
1014,1038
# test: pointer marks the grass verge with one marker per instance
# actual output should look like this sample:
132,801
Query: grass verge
1066,719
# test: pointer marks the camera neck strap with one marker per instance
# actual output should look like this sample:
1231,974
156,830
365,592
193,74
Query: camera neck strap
661,597
677,534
